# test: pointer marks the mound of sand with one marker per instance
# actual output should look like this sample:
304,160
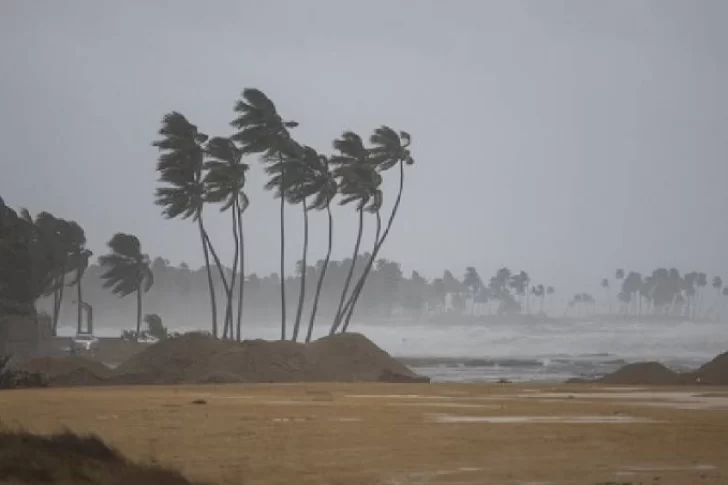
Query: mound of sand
202,359
168,361
713,373
67,458
643,373
69,371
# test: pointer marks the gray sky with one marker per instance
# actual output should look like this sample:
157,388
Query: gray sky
566,138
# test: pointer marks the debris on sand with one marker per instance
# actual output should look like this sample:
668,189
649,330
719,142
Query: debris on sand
644,373
68,458
68,371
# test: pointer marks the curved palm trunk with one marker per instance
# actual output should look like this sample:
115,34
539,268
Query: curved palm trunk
241,287
211,285
139,310
79,296
339,310
218,264
321,276
302,293
58,300
362,280
229,329
348,309
283,257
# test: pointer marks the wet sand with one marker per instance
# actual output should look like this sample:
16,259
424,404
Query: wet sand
400,434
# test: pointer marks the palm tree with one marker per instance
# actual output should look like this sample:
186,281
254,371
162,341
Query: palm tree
180,166
358,182
78,257
127,270
701,281
550,291
262,130
605,285
472,281
390,149
224,183
717,285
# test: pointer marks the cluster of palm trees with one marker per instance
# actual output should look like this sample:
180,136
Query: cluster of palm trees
513,292
41,256
196,170
667,292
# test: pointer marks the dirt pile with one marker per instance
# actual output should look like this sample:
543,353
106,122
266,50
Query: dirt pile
340,358
69,371
643,373
168,361
713,373
67,458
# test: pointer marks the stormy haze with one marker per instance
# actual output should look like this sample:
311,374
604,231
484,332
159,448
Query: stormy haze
566,138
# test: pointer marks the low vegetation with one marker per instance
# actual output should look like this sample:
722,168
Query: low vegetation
66,458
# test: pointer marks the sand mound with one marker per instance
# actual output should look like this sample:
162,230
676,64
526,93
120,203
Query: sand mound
69,371
168,361
643,373
202,359
714,372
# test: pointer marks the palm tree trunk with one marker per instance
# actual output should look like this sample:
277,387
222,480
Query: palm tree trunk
79,296
302,293
362,280
218,264
241,287
211,285
339,310
321,276
139,310
349,308
283,254
229,329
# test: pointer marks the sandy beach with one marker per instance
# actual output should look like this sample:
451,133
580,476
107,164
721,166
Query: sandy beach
454,434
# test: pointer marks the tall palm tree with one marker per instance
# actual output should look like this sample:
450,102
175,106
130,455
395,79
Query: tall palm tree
180,166
359,183
327,189
262,130
390,149
472,281
717,285
550,291
224,183
127,270
297,175
79,257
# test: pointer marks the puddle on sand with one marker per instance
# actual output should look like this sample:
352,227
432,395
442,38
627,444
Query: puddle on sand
452,418
396,396
636,469
675,400
346,420
443,404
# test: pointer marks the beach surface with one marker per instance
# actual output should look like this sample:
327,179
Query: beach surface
440,434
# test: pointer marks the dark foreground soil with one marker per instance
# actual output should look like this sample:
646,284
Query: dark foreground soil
66,458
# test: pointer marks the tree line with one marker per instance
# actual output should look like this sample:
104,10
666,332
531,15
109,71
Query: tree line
196,171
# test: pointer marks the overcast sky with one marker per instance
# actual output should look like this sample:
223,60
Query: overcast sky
567,138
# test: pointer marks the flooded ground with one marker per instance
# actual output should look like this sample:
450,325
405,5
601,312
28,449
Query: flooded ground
441,434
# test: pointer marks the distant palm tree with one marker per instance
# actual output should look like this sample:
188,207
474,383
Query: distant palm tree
180,166
472,281
605,285
550,291
262,130
79,258
224,183
717,285
701,281
390,149
127,270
